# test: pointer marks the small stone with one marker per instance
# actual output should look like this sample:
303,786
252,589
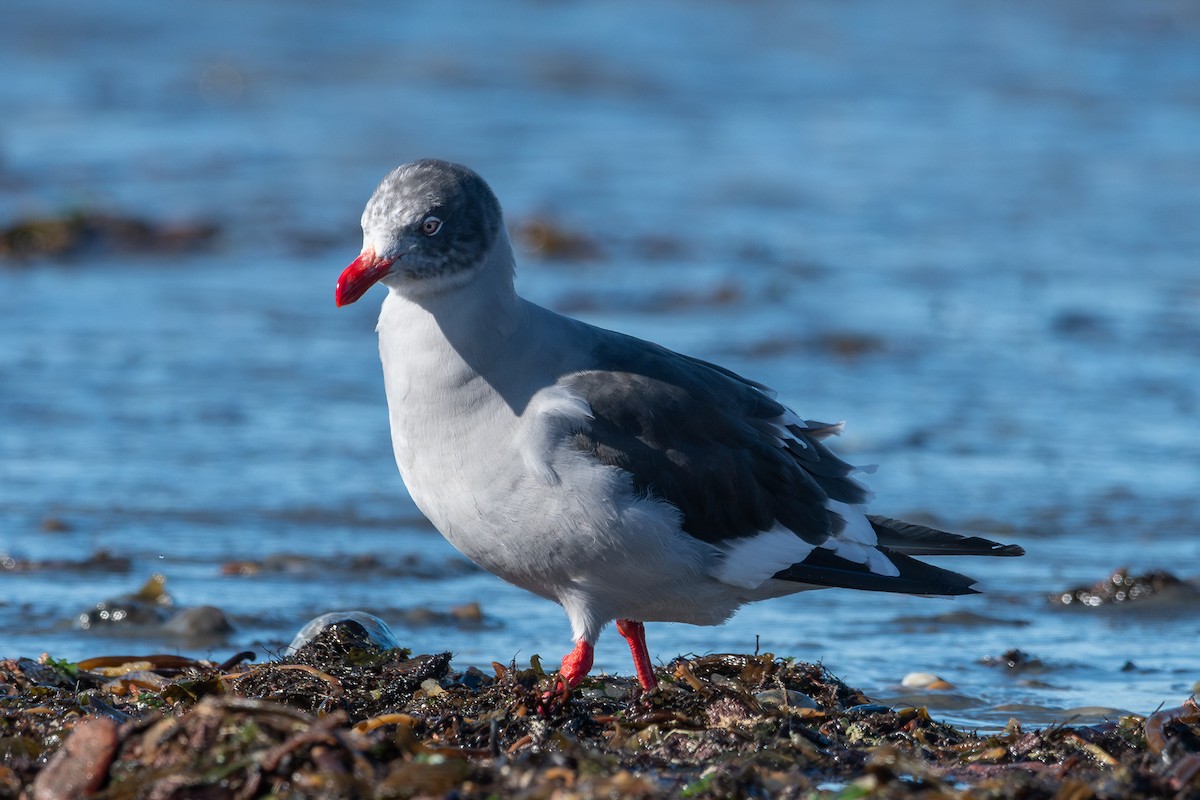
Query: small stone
374,630
149,605
80,766
1122,588
198,622
474,679
925,680
1015,660
789,698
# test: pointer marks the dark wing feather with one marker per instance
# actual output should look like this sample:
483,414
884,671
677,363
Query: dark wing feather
918,540
823,568
708,441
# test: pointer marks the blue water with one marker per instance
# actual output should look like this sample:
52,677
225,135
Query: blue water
972,231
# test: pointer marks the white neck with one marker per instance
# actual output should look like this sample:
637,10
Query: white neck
439,340
473,316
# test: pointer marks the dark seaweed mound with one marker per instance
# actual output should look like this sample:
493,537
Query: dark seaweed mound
343,718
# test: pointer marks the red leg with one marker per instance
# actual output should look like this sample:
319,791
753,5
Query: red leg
635,633
577,663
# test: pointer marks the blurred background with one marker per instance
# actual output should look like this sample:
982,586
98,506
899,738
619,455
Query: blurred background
972,230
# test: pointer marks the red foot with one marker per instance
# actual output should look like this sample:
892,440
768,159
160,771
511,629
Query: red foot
635,633
577,663
575,667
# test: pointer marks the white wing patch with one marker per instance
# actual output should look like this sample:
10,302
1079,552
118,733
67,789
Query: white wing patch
551,414
857,540
751,560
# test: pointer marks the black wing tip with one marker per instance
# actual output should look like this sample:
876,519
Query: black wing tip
913,539
824,568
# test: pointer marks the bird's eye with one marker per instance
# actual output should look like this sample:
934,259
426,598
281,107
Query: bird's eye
430,226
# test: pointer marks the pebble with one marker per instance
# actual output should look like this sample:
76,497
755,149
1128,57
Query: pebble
1015,660
376,629
925,680
80,766
792,698
198,622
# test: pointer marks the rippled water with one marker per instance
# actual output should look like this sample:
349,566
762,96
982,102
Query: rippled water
971,231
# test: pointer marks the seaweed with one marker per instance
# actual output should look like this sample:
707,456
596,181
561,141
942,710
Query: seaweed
341,716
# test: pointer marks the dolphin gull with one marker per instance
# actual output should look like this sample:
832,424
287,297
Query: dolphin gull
615,477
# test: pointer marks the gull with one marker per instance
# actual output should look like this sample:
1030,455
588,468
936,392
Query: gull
620,479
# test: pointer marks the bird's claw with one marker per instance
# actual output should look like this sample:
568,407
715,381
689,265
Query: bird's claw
555,700
575,667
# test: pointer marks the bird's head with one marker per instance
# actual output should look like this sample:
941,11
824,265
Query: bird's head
429,226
